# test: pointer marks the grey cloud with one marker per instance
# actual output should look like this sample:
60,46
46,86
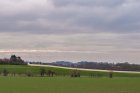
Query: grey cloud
46,16
107,28
106,3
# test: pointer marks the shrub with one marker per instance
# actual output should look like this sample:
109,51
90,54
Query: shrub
42,72
5,72
75,73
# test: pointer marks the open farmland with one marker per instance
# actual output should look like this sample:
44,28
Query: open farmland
68,85
23,69
63,83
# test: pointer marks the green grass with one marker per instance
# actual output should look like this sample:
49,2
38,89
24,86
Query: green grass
68,85
23,69
121,83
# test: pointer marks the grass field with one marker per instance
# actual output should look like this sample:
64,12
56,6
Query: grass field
23,69
68,85
120,83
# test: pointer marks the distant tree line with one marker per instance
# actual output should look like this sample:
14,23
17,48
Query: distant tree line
13,60
42,73
16,60
49,73
109,66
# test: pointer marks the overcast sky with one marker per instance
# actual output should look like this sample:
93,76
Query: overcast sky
71,30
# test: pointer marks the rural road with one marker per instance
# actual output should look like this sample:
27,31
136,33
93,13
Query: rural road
81,68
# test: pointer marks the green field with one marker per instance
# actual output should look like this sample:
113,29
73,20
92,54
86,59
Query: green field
68,85
100,83
23,69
